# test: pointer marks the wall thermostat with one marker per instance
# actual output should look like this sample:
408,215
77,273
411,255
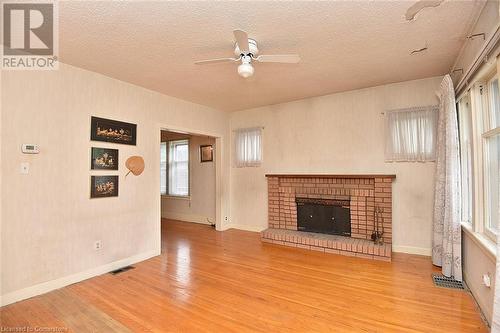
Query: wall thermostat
29,148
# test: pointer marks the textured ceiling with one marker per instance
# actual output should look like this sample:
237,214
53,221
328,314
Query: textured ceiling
344,45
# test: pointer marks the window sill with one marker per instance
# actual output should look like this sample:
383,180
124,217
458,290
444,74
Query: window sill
487,245
177,197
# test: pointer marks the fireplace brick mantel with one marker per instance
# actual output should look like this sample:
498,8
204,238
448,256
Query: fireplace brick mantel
365,191
360,176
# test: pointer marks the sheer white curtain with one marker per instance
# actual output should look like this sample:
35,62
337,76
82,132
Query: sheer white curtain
248,147
410,134
178,168
447,238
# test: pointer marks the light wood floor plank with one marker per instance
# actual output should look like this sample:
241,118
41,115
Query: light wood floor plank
208,281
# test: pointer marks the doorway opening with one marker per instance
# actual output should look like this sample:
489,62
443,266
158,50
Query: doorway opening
187,178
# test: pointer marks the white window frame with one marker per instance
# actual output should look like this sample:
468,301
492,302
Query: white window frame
164,169
168,193
488,132
468,116
476,99
481,131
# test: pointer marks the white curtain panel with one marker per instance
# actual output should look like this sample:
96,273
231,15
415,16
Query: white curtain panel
446,242
248,147
410,134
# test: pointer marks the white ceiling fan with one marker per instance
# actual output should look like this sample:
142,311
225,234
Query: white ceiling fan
246,51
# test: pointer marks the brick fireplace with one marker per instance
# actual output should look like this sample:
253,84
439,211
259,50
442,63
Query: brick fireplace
368,199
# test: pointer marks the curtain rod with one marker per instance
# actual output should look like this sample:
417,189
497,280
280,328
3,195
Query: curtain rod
486,51
248,128
413,108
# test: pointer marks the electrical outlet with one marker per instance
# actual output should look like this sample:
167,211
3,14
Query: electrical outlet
487,280
98,245
25,168
226,218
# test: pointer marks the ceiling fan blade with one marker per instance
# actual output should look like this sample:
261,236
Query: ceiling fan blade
215,61
283,58
242,40
419,5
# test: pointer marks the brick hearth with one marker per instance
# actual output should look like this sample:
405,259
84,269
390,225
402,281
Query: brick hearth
328,243
365,193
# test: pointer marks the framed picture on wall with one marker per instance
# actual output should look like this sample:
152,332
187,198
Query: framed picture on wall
206,153
114,131
103,186
104,159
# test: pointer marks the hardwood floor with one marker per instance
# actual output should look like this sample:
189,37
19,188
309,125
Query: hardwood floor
229,281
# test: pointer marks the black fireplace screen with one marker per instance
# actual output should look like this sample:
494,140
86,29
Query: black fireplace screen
327,216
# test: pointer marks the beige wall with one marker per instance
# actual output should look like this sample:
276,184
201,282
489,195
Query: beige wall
200,207
339,134
476,262
49,224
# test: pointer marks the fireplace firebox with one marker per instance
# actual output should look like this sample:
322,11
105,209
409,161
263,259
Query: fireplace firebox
326,216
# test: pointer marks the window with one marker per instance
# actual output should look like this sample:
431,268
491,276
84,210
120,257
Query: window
494,103
479,134
491,145
492,182
178,168
248,147
163,168
174,168
465,136
410,134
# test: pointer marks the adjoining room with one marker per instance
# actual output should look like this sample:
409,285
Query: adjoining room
187,177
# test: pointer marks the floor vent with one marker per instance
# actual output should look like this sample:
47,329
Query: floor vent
121,270
446,282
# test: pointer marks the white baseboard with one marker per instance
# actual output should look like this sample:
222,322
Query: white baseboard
42,288
253,228
187,217
412,250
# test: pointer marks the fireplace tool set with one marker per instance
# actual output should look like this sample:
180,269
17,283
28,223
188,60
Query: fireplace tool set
378,231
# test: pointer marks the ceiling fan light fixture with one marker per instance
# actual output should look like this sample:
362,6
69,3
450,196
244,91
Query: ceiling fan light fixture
246,51
245,70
